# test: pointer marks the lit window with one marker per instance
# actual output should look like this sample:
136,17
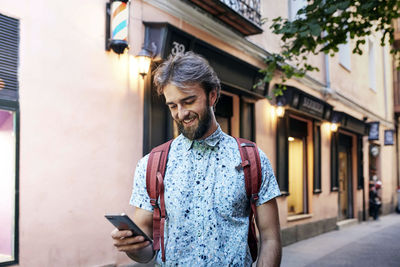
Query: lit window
297,167
7,185
296,200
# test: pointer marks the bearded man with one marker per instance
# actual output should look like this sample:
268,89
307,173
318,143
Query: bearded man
205,199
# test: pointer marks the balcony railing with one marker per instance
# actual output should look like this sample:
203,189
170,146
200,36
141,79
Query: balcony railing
242,15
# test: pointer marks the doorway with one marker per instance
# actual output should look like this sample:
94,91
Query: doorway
345,198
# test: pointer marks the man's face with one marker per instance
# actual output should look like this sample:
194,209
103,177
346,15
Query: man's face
190,109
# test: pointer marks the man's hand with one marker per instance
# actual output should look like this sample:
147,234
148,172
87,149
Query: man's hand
125,242
134,246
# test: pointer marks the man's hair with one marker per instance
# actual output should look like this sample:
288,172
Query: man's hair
185,70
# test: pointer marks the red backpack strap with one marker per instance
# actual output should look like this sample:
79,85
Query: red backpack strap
251,166
155,172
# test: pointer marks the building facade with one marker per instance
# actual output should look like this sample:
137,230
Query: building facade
75,117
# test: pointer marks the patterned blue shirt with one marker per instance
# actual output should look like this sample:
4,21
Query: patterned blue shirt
206,203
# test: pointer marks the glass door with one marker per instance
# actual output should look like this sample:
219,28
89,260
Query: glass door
345,177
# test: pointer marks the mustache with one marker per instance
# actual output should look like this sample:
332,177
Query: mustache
189,117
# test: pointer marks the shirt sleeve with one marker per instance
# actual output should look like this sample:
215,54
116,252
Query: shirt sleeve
139,197
269,187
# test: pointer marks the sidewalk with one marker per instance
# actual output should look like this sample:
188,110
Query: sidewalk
371,243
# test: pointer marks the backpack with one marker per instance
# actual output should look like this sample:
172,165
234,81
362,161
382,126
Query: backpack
156,166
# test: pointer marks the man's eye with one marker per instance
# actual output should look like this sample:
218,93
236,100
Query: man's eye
189,102
172,106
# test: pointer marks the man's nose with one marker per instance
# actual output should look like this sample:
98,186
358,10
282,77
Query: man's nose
182,113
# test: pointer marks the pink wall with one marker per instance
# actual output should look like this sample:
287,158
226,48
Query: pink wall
81,132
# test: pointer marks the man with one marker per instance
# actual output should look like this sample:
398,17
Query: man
205,198
374,199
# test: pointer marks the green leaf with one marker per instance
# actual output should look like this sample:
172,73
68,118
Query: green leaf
303,36
331,9
315,29
343,5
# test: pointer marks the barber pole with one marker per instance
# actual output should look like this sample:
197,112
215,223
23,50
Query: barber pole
119,13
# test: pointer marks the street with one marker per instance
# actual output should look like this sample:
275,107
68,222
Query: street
372,243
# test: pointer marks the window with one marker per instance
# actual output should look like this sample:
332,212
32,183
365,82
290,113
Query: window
293,140
294,7
371,65
9,123
247,115
297,148
345,55
8,144
224,113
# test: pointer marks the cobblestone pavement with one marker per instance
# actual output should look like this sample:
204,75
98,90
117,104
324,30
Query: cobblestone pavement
371,243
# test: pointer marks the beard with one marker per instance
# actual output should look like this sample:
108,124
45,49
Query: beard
194,132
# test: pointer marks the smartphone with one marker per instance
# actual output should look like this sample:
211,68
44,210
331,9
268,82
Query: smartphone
123,222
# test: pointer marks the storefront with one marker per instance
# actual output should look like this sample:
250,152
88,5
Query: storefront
235,110
319,163
347,167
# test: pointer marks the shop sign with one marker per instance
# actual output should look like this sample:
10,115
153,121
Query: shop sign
389,137
312,106
373,130
355,125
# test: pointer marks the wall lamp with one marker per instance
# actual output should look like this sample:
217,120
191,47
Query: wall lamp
334,127
335,121
280,106
117,16
144,58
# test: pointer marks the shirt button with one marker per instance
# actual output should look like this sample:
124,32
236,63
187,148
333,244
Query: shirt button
199,234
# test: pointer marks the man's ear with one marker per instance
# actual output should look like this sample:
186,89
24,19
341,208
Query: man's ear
212,97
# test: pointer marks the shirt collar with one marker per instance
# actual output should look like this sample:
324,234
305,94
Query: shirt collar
211,141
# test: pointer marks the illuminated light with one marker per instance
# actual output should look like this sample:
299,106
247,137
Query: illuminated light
334,127
143,64
290,139
144,58
272,111
326,126
280,111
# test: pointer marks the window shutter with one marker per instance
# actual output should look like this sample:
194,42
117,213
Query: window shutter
9,55
360,166
317,159
282,160
334,162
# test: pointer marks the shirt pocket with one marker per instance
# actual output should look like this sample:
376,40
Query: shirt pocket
230,199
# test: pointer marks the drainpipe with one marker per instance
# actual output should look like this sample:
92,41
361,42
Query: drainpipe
328,89
385,81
